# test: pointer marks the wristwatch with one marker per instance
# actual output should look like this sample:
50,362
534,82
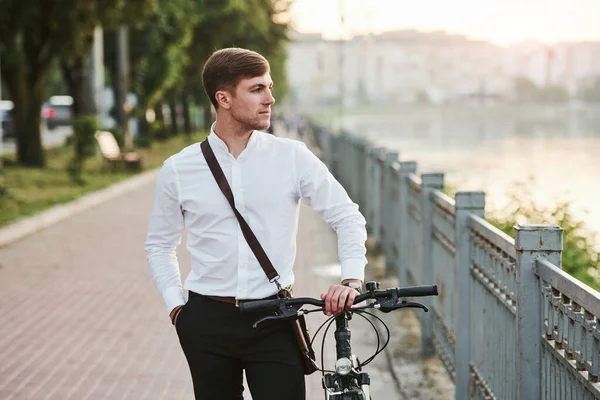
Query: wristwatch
354,285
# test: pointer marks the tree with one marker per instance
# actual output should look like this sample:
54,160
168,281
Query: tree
75,57
254,24
159,51
554,94
526,89
27,51
32,33
590,92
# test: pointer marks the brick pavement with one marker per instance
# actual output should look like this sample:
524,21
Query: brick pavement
81,318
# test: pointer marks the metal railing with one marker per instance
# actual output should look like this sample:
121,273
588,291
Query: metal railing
508,322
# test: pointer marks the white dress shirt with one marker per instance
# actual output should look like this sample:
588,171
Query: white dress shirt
268,180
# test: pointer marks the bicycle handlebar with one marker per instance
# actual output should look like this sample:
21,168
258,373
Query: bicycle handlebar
418,291
273,305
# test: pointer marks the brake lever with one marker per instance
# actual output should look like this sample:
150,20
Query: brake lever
282,314
263,319
386,308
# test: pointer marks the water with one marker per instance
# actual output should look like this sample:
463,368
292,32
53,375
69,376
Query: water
492,147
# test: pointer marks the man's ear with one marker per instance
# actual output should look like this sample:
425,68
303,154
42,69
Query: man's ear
223,99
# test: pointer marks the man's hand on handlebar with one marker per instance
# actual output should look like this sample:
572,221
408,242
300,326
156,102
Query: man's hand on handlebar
338,298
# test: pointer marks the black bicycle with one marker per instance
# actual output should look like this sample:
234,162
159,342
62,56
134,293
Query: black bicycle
347,382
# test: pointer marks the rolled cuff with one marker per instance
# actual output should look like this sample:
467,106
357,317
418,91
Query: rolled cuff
173,297
353,268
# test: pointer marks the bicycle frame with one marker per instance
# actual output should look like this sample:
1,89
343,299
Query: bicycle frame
355,385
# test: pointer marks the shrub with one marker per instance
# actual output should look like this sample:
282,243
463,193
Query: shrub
580,257
83,143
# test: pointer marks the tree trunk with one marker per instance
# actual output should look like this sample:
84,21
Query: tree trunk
160,118
173,110
122,84
110,37
158,113
77,77
26,85
29,139
187,122
144,125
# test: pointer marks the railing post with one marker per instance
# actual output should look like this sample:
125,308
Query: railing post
376,195
342,159
363,177
358,168
366,183
335,155
388,210
351,169
466,203
368,187
532,242
429,183
328,147
406,168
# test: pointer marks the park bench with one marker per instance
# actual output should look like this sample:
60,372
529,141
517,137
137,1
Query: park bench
112,154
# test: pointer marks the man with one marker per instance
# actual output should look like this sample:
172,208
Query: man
269,176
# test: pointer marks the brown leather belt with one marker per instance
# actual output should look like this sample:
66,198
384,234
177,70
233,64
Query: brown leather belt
233,300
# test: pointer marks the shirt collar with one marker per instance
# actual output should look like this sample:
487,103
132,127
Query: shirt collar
219,145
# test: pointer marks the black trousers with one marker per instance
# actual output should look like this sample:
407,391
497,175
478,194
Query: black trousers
219,343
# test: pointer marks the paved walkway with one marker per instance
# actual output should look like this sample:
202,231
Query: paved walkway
81,319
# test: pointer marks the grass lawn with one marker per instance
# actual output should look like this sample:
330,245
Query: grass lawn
27,191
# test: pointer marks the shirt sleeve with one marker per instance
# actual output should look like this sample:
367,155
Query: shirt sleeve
164,236
321,191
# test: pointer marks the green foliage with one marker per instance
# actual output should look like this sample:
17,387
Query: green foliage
32,34
591,92
119,136
257,25
158,49
55,83
155,130
169,42
554,94
579,258
83,143
526,91
33,190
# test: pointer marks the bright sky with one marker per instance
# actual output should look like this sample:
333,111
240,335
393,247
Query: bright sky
499,21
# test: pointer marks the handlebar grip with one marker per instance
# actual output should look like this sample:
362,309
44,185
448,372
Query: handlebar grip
260,305
418,291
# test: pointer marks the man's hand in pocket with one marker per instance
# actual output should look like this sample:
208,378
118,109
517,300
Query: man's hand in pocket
175,313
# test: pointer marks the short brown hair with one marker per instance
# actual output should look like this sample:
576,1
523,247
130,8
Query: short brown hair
226,67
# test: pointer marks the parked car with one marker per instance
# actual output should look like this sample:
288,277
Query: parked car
57,111
7,119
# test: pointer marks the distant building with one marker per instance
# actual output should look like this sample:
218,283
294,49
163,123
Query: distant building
412,66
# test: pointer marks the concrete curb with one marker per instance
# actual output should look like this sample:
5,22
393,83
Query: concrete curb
35,223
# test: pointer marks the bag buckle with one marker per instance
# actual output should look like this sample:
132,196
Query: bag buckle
276,281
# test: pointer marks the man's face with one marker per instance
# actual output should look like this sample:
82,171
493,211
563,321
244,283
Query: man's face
251,102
